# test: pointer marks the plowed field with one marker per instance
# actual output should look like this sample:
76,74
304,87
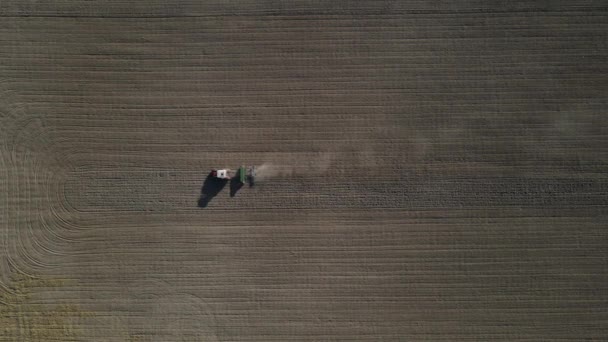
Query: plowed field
430,171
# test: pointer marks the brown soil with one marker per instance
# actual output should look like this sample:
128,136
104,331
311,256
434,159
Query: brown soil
430,172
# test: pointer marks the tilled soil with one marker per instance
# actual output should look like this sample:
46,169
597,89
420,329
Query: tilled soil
428,171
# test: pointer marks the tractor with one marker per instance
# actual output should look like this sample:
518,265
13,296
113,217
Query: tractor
244,174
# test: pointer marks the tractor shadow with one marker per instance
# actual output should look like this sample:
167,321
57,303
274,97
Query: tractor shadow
235,184
211,187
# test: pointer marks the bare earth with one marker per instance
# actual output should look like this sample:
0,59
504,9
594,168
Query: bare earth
431,171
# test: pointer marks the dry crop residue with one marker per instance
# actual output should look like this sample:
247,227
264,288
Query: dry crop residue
24,318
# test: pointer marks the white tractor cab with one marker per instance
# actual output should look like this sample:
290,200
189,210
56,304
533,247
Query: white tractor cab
221,174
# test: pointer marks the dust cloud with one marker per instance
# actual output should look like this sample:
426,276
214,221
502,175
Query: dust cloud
268,170
320,164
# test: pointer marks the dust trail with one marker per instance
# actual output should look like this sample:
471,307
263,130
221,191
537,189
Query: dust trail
290,168
268,170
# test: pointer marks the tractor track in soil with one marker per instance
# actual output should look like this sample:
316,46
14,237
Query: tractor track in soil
438,171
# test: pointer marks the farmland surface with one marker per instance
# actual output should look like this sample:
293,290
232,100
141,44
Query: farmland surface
431,170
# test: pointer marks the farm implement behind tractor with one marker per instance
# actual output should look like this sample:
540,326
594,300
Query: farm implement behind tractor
244,174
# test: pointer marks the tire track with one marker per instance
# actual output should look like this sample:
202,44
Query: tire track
32,244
